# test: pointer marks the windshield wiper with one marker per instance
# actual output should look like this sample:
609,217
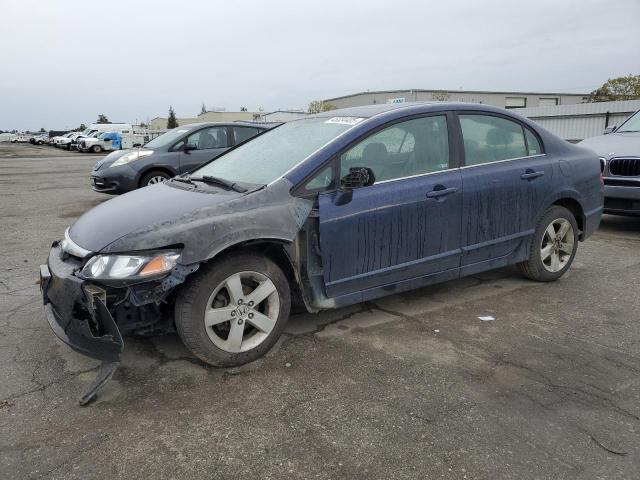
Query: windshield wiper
183,180
217,181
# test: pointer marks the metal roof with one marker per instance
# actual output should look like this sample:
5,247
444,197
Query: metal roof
580,109
374,92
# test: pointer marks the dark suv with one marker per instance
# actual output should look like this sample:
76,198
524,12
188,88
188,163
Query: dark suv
178,151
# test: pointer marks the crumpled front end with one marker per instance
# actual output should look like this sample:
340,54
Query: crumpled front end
76,310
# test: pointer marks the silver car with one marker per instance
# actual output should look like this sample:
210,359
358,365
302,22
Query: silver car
619,151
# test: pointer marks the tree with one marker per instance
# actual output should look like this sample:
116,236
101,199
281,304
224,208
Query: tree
80,128
42,130
102,118
143,125
243,109
172,121
203,109
318,106
621,88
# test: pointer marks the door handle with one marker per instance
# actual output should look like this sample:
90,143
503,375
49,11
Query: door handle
441,192
530,174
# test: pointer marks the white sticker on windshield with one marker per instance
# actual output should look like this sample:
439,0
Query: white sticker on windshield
345,120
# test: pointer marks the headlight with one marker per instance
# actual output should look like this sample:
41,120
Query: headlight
131,156
129,267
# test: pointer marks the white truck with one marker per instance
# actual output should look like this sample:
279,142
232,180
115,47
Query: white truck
109,141
71,142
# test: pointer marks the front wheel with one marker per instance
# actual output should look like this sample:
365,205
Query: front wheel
233,310
96,149
154,177
554,246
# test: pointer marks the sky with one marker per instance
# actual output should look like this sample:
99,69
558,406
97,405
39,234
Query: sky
64,62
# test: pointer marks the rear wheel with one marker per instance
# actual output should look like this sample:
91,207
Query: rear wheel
234,310
554,246
154,177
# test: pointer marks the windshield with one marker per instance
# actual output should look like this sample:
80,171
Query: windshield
631,125
167,138
86,131
102,135
268,156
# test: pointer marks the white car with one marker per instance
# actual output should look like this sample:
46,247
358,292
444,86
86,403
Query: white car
20,139
39,139
65,140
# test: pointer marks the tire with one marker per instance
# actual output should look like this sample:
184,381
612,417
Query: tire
153,177
96,149
551,255
207,291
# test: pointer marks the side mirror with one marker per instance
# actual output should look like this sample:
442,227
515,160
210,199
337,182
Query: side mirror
610,129
188,147
357,177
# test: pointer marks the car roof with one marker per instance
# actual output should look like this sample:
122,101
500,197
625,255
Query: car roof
368,111
238,123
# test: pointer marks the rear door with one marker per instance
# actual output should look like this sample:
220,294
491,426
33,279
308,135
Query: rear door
405,225
506,178
208,142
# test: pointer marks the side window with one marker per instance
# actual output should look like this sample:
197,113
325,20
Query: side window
408,148
207,138
321,181
241,134
490,139
532,143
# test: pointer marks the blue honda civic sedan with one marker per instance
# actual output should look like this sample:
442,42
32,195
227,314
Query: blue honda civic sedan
327,211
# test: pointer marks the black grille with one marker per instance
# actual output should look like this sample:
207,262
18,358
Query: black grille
625,167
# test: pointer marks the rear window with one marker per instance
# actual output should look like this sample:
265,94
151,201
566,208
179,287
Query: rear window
241,134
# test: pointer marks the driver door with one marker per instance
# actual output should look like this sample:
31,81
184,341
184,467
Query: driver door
407,224
203,145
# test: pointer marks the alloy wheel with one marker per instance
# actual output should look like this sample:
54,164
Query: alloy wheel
242,311
557,245
156,179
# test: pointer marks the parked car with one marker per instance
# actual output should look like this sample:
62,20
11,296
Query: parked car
20,138
39,139
176,151
619,151
54,135
110,141
65,141
95,129
327,211
103,141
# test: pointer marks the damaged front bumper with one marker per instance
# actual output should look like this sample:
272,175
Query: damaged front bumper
77,316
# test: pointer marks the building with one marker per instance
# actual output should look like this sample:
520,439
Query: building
160,123
577,122
283,115
498,99
224,116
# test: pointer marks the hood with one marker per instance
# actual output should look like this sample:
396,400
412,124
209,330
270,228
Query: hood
112,157
624,144
162,215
